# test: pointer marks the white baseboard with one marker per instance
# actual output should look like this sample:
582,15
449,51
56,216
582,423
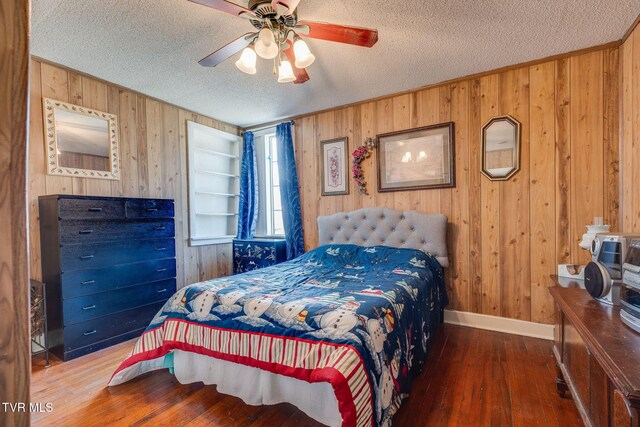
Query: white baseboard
499,324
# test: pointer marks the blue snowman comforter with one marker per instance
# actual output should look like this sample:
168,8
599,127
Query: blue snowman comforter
357,317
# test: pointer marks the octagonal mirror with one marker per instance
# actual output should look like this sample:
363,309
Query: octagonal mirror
501,148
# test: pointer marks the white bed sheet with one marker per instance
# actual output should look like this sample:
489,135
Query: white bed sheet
258,387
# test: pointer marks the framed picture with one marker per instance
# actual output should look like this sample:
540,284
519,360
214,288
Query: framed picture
415,159
335,180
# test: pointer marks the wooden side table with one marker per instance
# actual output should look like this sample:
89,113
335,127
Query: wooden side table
39,320
252,254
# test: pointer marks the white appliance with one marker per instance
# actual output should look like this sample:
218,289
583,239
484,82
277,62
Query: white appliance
630,291
603,275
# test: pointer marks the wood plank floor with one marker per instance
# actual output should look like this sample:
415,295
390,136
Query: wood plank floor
472,378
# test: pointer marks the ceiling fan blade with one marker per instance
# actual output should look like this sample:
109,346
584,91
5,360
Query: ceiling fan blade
340,33
226,6
290,5
300,73
227,51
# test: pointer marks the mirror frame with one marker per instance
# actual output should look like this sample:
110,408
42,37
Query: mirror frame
50,134
483,158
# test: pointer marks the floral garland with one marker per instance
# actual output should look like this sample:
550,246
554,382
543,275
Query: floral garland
361,153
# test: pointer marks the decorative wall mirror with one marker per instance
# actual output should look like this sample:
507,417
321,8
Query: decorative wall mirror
81,142
501,148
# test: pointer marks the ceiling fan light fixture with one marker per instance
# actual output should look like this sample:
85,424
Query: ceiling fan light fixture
303,55
285,72
247,61
278,34
266,46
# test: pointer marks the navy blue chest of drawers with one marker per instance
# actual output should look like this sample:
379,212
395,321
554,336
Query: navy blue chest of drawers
257,253
109,264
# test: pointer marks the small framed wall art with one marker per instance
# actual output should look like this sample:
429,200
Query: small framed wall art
335,173
416,159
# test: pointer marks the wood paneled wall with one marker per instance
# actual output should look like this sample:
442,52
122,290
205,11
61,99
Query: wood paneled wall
505,238
630,197
153,160
15,354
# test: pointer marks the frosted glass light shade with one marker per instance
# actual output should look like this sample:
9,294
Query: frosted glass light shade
266,46
285,72
304,57
247,61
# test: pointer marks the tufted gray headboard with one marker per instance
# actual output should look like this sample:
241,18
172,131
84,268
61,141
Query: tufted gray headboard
383,226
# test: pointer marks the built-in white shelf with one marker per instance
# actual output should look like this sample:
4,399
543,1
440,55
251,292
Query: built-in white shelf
211,193
214,172
228,236
217,153
226,175
216,214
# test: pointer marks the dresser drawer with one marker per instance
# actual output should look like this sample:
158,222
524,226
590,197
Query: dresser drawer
81,351
92,331
86,282
96,255
89,307
92,231
141,208
90,209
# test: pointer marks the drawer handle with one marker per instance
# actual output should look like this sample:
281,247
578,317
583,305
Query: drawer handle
95,209
86,231
86,256
88,282
89,332
161,249
152,209
160,228
160,270
89,307
161,291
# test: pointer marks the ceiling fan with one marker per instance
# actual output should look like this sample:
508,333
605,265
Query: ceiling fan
279,36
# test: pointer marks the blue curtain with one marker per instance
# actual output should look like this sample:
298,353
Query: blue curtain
248,204
289,193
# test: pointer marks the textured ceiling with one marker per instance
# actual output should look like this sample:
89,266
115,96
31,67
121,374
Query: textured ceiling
153,46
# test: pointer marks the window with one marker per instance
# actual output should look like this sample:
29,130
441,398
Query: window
214,184
275,225
270,221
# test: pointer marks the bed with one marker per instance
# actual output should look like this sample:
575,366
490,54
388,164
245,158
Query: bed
339,332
